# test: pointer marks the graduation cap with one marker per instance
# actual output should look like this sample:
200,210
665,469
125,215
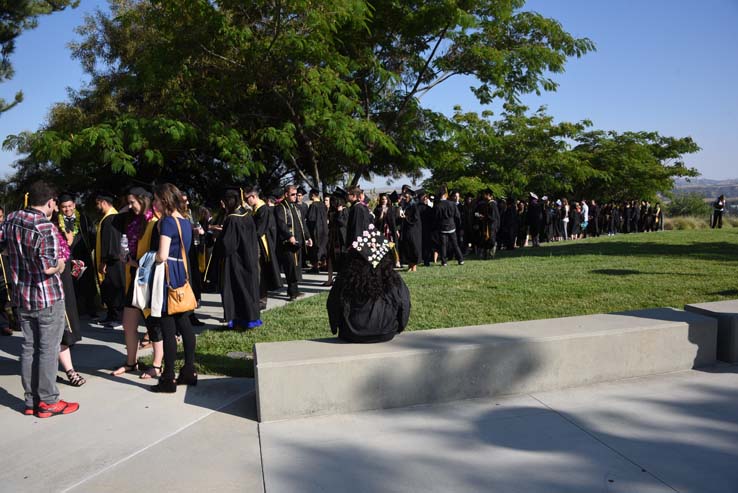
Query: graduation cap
314,192
409,190
105,195
233,193
372,245
394,197
420,193
533,196
67,197
301,190
140,192
340,193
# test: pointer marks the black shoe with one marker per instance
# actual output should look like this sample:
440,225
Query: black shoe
187,378
195,322
461,262
164,387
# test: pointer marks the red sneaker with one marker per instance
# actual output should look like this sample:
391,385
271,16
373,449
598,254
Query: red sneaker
29,411
60,407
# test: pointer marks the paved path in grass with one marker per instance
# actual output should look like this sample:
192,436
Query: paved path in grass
674,432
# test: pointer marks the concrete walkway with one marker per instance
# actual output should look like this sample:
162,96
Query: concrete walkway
674,432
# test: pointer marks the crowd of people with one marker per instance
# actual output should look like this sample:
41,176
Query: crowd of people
149,247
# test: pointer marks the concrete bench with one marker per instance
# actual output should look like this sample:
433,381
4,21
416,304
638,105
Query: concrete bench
304,378
726,313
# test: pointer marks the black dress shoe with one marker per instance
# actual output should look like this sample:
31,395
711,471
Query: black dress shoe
187,378
164,387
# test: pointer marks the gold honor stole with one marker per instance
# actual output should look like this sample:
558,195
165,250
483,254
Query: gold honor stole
144,245
98,243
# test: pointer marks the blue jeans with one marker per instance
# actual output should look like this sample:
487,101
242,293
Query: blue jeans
42,332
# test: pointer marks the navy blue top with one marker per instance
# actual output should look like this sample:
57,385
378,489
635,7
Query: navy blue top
175,262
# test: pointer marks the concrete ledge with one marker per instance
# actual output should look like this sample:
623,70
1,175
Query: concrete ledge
726,314
326,376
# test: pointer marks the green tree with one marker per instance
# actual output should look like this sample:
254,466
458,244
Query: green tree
17,16
632,165
513,155
204,92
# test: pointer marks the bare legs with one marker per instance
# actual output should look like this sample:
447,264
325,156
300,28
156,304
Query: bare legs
131,318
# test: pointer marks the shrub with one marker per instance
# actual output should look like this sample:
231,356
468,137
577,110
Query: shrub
691,204
686,222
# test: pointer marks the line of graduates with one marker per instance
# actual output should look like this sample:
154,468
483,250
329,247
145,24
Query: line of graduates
427,228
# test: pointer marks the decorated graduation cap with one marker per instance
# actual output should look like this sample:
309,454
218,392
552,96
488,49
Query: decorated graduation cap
372,245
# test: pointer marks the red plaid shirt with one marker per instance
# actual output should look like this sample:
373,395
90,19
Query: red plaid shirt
33,246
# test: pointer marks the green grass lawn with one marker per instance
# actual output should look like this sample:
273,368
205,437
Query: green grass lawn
625,272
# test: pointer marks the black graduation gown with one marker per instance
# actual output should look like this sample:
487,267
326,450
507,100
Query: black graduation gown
411,235
113,286
81,248
357,320
290,223
337,245
72,328
317,223
359,219
238,252
428,220
489,223
269,266
386,224
509,227
534,219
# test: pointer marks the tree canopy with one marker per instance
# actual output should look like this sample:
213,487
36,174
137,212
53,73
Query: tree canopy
17,16
203,92
522,152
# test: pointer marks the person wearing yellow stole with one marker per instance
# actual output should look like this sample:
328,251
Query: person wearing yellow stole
269,277
140,230
110,269
237,251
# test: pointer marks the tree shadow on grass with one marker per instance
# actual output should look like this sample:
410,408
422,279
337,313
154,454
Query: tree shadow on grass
727,292
714,251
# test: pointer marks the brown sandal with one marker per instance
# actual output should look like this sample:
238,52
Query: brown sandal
148,374
126,368
75,379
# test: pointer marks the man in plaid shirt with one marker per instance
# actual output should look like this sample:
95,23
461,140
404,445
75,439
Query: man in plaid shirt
32,246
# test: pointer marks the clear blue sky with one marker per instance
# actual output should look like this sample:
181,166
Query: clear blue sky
664,65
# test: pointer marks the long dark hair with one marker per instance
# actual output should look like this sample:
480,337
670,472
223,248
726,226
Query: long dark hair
171,199
362,282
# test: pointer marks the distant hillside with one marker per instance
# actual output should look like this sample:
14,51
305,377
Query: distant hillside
710,189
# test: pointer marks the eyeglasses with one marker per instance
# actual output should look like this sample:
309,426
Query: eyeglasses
293,194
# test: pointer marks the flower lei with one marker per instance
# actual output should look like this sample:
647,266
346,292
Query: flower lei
63,252
63,226
133,231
